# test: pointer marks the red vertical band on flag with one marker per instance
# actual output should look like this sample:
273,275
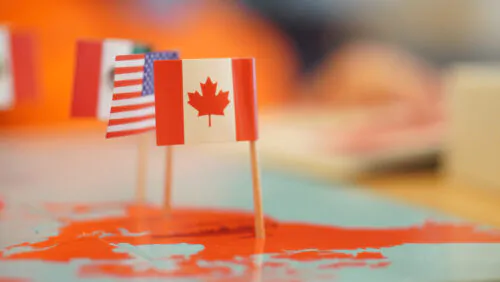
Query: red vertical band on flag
245,99
86,84
24,67
169,107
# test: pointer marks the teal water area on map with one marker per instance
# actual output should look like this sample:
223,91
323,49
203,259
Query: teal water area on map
286,197
422,262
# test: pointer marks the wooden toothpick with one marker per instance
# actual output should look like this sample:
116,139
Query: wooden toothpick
168,180
258,260
260,231
142,154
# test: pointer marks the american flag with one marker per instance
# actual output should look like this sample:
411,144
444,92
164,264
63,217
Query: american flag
133,105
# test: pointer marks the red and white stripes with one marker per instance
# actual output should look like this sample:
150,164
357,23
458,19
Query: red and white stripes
131,111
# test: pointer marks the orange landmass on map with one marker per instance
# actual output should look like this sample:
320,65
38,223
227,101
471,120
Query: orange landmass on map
228,234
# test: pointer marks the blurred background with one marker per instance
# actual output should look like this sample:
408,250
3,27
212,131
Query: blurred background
343,51
354,85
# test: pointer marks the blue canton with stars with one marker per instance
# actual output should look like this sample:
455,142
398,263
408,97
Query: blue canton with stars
148,83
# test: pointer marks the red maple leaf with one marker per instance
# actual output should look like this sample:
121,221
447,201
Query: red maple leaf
208,103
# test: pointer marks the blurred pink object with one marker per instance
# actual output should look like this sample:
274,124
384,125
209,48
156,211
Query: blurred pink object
399,94
370,74
390,132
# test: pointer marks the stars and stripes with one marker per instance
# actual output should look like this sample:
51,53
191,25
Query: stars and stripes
133,104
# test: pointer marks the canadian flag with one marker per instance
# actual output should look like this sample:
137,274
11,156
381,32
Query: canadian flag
18,80
205,100
94,75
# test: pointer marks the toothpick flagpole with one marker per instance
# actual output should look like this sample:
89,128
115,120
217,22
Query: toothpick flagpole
168,180
260,231
257,263
142,152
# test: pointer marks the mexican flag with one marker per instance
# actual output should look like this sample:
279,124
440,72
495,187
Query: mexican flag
94,75
17,67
